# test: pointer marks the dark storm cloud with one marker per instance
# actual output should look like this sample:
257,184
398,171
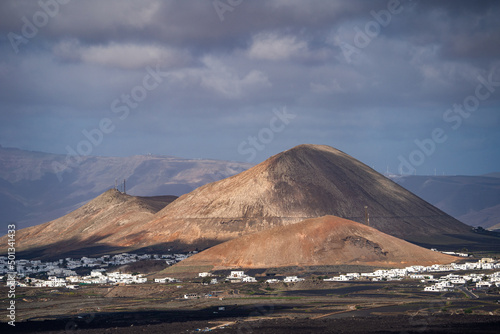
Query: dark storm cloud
361,90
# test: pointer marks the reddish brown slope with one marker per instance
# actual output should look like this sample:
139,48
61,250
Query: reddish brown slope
306,181
110,215
321,241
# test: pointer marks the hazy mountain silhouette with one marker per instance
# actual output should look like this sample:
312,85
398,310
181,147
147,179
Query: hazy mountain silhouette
474,200
32,192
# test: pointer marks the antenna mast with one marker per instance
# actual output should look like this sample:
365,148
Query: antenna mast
124,188
367,216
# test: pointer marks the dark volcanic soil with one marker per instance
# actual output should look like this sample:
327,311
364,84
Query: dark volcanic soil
139,323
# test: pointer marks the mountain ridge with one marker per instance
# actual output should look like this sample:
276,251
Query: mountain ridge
31,192
474,200
306,181
111,213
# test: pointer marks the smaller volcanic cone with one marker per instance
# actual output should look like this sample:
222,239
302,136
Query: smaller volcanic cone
327,240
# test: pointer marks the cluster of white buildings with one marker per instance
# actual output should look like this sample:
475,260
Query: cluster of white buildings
95,277
240,276
444,283
167,280
64,267
451,253
451,281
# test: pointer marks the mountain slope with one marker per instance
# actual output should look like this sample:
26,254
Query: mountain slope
474,200
320,241
495,228
33,192
306,181
112,213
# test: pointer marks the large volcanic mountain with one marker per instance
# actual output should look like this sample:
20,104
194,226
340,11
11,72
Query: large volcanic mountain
320,241
86,230
306,181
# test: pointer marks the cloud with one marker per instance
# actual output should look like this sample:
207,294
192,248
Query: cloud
271,46
124,55
216,77
264,55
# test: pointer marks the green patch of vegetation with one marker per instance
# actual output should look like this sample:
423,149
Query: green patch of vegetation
358,307
468,311
206,280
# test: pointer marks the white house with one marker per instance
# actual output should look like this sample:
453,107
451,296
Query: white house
236,274
292,279
139,279
340,278
204,274
483,284
487,266
96,272
486,260
272,280
432,288
166,280
249,279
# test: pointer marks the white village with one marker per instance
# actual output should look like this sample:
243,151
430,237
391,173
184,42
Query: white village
61,273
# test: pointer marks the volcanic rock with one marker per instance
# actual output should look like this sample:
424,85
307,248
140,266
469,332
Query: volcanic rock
320,241
110,215
304,182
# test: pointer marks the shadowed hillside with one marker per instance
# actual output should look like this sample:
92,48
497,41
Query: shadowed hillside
36,187
323,241
112,213
474,200
306,181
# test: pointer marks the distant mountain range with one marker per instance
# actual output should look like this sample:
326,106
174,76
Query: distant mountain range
474,200
32,193
303,183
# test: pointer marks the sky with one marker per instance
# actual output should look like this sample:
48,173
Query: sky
407,86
